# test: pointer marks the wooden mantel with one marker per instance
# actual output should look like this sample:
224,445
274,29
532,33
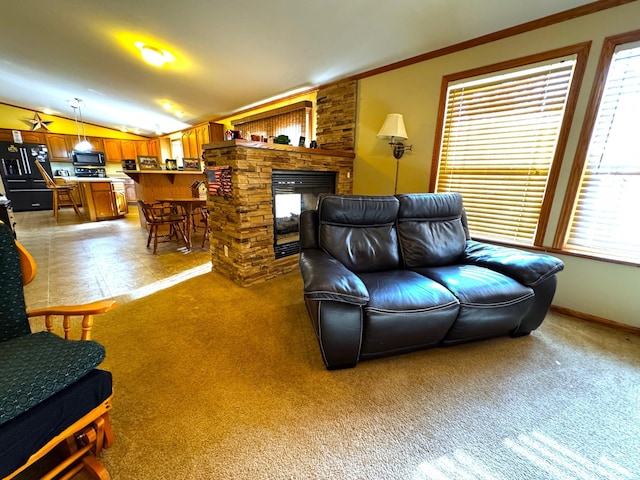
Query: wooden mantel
279,147
242,224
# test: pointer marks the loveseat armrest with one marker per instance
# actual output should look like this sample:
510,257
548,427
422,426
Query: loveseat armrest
325,278
527,268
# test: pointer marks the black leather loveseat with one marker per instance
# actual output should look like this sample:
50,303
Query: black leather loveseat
390,274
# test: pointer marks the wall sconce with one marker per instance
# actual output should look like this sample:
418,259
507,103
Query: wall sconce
393,128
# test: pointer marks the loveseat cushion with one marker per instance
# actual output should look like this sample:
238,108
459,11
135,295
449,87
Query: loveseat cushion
359,231
491,303
527,268
405,311
430,229
36,366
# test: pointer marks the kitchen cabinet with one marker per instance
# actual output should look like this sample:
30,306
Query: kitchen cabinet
58,147
130,191
154,147
113,150
33,137
6,135
142,148
97,145
194,138
103,199
128,149
186,147
216,132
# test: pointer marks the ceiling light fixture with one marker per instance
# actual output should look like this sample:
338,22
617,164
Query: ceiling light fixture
83,144
154,56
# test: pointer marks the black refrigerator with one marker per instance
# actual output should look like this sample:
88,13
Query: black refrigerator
23,184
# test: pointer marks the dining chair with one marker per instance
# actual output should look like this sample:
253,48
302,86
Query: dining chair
204,222
160,216
62,194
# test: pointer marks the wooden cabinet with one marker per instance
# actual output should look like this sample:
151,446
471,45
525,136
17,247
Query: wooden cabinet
58,147
33,137
104,199
130,191
186,148
128,149
142,148
97,144
6,135
194,138
216,132
113,150
154,147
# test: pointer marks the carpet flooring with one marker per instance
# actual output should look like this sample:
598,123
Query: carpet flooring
215,381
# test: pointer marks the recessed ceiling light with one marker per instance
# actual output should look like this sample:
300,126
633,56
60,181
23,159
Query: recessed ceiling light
179,114
154,56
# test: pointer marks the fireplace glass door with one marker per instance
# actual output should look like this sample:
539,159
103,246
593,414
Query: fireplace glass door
293,192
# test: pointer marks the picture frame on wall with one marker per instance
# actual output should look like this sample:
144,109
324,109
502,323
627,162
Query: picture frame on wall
191,164
148,162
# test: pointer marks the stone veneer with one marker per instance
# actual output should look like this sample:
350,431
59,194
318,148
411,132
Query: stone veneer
336,116
244,222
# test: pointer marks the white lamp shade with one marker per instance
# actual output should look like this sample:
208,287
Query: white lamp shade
393,126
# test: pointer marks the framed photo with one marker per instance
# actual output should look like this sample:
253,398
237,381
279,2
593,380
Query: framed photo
171,164
301,141
146,162
191,164
129,164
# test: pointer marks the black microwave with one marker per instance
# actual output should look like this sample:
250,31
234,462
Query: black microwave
88,159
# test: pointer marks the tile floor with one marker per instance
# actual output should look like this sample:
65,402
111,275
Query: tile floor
80,261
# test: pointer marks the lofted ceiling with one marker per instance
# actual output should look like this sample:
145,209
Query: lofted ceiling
228,55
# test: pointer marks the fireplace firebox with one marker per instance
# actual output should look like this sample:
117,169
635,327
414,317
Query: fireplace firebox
294,191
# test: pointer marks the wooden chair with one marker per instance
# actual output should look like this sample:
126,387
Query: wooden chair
159,216
204,222
62,194
54,402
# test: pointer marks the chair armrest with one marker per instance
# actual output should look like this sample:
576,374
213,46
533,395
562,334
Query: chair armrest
325,278
527,268
86,311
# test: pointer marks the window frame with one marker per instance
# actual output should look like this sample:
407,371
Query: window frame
607,52
581,52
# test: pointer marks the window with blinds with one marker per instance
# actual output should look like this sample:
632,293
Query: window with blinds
499,139
605,219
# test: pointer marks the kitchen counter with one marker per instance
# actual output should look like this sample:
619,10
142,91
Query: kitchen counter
88,179
102,198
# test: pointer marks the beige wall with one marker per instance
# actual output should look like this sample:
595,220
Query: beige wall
593,287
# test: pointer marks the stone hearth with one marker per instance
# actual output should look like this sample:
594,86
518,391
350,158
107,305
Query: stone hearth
242,225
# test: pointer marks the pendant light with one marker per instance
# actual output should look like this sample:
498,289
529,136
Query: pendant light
83,144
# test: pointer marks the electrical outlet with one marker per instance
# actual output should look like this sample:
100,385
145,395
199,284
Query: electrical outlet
226,251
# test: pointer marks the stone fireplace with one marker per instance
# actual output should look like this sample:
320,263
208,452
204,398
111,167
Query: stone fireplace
244,232
292,192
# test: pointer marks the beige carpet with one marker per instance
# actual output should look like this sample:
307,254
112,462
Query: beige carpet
215,381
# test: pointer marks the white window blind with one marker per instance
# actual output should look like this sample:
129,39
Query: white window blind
498,143
605,219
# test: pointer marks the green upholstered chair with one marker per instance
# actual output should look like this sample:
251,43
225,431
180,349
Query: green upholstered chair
52,396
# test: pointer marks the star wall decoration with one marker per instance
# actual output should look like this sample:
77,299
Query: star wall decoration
37,123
